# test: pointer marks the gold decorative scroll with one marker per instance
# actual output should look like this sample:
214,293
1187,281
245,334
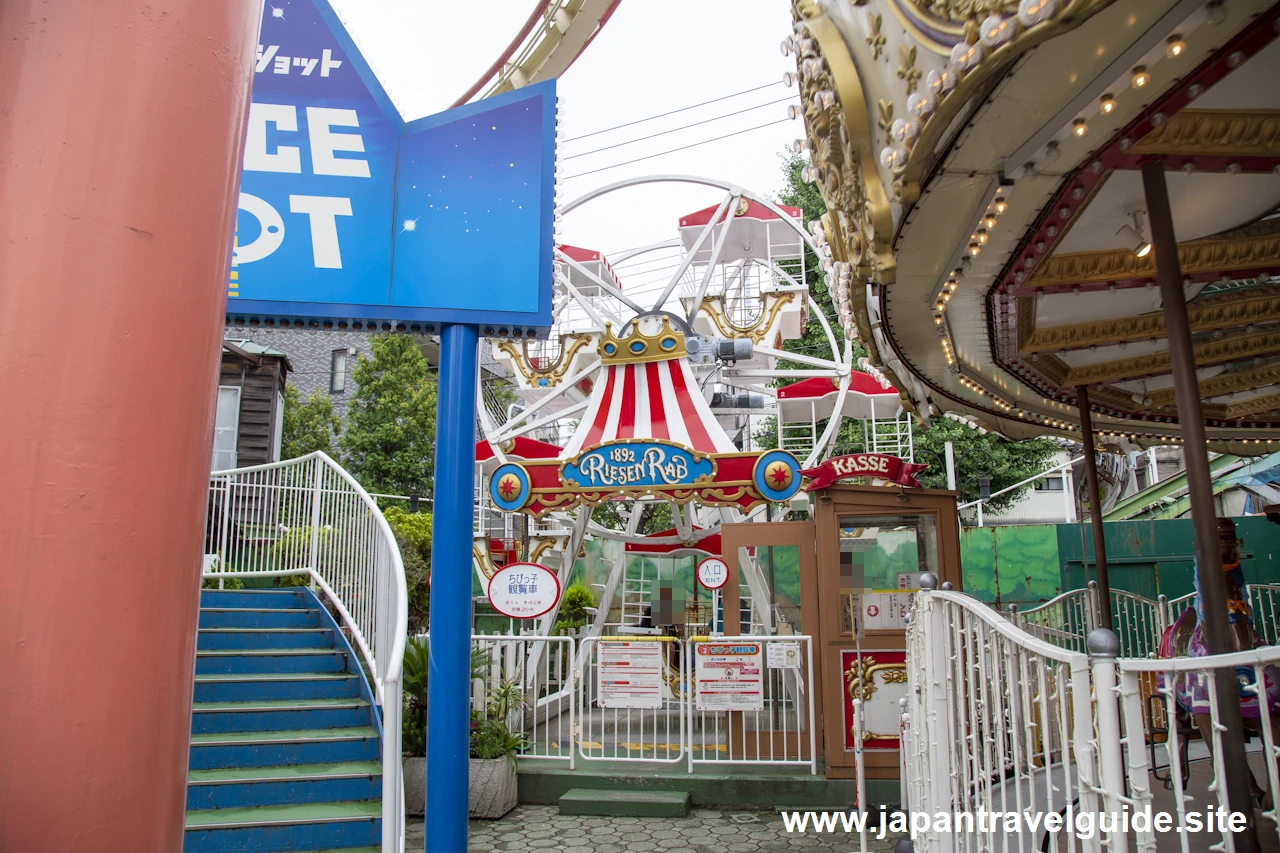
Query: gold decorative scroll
1222,384
861,676
570,344
1215,133
1252,248
1222,311
1253,406
1212,352
774,303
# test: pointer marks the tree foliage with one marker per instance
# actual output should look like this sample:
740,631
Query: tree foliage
389,442
309,424
413,535
977,454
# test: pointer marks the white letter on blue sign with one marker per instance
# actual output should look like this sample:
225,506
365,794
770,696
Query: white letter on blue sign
324,142
324,230
256,157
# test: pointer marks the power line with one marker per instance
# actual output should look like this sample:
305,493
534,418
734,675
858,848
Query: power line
678,129
672,112
673,150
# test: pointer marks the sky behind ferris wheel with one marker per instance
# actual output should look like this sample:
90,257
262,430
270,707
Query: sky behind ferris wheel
653,57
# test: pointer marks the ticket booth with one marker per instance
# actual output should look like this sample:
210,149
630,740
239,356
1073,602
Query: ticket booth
858,562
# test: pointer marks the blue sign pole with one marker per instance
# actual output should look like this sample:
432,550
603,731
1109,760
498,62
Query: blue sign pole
449,669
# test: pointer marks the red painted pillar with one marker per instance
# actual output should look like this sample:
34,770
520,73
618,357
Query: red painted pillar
120,130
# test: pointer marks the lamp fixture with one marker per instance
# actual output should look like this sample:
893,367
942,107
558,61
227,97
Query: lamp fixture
1175,46
1079,127
989,222
1001,204
1131,236
1141,76
1107,104
974,249
981,236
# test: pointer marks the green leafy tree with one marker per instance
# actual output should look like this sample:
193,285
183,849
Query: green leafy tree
389,441
413,535
977,454
309,425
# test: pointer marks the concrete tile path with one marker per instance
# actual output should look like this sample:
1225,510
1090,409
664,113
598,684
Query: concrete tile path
703,831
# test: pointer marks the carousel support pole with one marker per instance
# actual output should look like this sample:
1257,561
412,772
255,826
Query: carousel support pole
449,664
1095,508
119,165
1213,589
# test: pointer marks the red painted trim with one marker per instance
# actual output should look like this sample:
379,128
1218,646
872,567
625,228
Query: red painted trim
529,24
627,415
698,573
699,438
657,405
602,415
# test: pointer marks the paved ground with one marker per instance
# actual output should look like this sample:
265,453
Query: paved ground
703,831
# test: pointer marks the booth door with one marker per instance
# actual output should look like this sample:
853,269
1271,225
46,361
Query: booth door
873,545
772,589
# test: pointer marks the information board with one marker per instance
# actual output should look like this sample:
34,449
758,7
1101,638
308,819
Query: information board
729,676
783,655
629,674
524,590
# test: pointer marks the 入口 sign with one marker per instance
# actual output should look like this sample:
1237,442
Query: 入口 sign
713,573
524,590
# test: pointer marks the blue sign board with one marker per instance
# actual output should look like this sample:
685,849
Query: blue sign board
350,215
637,465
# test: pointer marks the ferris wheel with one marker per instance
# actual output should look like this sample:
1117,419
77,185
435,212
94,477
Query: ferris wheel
679,341
732,281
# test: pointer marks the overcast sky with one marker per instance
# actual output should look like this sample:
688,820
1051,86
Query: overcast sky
653,56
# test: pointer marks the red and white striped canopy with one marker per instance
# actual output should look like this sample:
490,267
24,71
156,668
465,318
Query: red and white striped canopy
657,400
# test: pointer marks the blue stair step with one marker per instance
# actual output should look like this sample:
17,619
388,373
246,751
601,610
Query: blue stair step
285,747
271,749
277,786
236,661
213,639
253,598
247,687
279,828
258,617
280,715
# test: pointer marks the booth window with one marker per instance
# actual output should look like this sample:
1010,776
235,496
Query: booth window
338,372
226,428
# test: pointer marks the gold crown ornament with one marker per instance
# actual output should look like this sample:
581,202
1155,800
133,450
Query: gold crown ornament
638,347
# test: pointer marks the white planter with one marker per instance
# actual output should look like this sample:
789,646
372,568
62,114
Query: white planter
415,786
491,789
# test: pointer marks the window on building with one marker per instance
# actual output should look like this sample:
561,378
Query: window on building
338,372
226,428
1049,484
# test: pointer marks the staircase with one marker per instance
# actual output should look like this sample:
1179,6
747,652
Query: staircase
285,737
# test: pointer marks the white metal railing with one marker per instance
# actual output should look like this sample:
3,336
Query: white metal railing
669,728
308,516
997,719
781,732
1066,621
1053,511
1264,600
542,670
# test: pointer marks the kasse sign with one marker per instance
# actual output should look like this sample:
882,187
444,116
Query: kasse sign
349,215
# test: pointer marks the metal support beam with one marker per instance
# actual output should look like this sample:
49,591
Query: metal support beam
1095,507
1213,588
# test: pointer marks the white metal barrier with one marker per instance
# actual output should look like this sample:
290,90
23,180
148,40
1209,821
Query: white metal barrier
308,516
997,719
1057,505
541,669
779,729
1264,599
639,700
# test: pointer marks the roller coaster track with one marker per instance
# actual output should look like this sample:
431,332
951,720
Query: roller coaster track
555,34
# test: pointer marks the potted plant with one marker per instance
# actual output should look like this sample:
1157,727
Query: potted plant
491,792
413,728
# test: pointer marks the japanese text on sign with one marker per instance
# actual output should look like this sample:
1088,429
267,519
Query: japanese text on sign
629,674
729,676
524,590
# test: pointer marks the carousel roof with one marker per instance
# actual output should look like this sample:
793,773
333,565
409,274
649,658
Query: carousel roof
1001,217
